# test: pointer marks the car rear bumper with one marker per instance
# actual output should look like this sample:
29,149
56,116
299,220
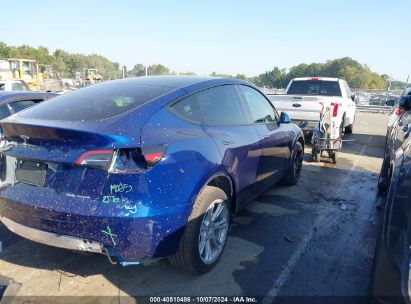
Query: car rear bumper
52,239
127,239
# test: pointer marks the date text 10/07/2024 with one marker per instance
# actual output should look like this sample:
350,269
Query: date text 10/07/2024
234,299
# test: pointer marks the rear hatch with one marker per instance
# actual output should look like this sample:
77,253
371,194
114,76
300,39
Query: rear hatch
59,155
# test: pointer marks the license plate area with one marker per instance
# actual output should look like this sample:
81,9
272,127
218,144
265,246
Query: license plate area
31,172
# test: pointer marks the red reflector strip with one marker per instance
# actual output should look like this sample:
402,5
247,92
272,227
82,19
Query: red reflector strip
92,152
335,110
153,157
314,78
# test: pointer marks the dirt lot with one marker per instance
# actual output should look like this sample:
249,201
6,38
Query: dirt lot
313,239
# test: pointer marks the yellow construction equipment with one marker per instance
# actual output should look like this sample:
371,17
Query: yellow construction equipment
27,70
91,76
20,69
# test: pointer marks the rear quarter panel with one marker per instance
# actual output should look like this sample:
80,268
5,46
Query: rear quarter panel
191,158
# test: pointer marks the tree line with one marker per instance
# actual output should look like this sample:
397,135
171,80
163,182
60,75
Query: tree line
68,64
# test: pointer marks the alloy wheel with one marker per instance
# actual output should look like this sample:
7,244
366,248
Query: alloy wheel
213,231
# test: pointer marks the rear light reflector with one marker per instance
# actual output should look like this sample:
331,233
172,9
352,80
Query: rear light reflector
154,154
314,78
100,159
335,110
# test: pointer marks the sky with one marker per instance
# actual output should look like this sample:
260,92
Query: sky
231,37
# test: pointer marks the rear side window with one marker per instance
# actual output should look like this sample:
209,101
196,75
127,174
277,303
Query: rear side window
20,105
4,111
221,106
96,102
315,87
188,109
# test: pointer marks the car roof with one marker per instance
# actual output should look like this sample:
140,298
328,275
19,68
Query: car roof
8,95
316,78
164,81
188,83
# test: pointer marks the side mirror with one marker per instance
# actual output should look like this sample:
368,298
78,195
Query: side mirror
353,97
390,102
284,118
405,102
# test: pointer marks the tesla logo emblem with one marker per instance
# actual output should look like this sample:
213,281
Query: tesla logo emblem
296,105
25,138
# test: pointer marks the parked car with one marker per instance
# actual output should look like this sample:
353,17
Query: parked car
305,97
13,85
393,121
392,262
15,101
397,110
142,168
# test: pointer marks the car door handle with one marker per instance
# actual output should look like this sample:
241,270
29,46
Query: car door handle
227,142
267,136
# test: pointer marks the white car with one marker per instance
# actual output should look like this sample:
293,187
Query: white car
305,98
13,85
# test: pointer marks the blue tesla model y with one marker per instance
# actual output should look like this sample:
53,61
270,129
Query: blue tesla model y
143,168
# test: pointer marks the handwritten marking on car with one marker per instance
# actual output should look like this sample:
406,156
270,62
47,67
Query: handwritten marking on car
110,234
120,188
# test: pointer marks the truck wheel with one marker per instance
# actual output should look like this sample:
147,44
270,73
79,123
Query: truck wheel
206,232
342,129
314,155
334,157
349,129
296,164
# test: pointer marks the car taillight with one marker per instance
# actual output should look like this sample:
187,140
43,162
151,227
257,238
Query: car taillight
399,111
100,159
154,154
136,159
124,160
335,110
129,160
314,78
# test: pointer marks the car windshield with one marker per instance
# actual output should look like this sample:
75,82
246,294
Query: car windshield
315,87
96,102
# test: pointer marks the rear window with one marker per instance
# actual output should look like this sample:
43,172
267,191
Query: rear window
96,102
315,87
4,111
20,105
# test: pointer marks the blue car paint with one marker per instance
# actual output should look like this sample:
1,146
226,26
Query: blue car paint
393,253
140,215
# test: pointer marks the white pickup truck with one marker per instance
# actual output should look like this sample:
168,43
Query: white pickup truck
305,98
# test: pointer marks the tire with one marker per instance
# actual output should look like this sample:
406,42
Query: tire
188,256
296,164
383,178
334,157
342,129
314,155
349,129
